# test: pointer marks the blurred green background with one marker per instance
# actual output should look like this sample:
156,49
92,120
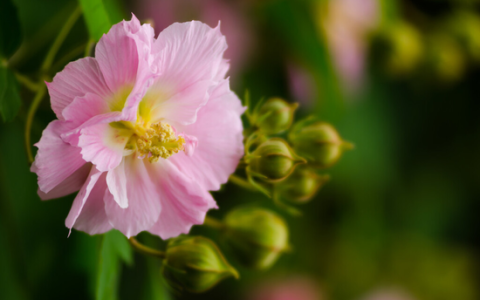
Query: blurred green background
399,79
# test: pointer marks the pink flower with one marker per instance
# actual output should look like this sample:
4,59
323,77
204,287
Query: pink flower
145,130
347,25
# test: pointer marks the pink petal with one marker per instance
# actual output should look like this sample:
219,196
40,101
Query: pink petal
84,108
181,108
222,70
70,185
184,202
72,136
103,145
189,52
124,56
82,197
132,183
77,79
219,133
92,218
55,160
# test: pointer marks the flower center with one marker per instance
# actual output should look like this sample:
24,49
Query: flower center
154,141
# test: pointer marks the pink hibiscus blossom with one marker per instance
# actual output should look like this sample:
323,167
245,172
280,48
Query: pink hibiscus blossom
347,24
145,130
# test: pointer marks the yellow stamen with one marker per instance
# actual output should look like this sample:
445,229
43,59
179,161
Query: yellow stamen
159,140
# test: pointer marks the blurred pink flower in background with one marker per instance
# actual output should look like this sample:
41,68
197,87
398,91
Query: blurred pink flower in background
234,25
145,130
388,294
290,288
346,24
303,87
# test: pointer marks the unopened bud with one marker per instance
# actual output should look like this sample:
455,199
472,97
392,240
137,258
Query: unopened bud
445,59
397,48
275,116
195,264
318,142
256,236
302,185
273,160
465,26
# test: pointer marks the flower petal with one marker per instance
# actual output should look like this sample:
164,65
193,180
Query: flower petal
189,52
124,56
179,108
77,79
184,202
82,197
84,108
131,183
92,218
70,185
55,160
219,133
103,145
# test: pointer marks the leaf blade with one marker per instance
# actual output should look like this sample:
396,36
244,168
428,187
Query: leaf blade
97,18
114,250
9,96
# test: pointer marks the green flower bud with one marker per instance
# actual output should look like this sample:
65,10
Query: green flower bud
302,185
275,116
256,236
318,142
273,160
445,59
195,264
397,49
465,26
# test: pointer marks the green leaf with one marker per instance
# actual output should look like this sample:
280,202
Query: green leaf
115,250
97,18
115,10
9,97
10,33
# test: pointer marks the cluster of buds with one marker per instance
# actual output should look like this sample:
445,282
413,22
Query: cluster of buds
283,158
255,237
442,53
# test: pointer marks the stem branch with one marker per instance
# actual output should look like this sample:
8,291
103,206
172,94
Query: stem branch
47,63
213,223
29,84
241,182
30,115
145,249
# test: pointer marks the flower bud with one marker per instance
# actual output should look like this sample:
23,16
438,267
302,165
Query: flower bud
302,185
256,236
318,142
465,26
445,60
195,264
397,48
275,116
273,160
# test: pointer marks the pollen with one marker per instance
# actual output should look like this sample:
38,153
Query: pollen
158,140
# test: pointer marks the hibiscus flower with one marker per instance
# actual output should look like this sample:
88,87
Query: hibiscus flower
145,130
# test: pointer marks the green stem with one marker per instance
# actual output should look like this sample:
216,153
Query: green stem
88,48
67,58
47,63
213,223
29,84
241,182
145,249
30,115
